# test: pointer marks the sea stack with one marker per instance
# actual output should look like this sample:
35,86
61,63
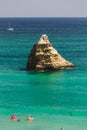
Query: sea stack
44,57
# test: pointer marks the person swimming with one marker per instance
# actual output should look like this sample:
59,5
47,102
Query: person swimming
13,117
30,118
70,113
18,120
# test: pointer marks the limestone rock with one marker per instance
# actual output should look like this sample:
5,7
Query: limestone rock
44,57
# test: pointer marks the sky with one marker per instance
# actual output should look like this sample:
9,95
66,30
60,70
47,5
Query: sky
43,8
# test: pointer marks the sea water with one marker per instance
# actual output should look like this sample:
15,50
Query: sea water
55,99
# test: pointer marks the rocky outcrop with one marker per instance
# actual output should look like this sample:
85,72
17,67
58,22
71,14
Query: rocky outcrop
44,57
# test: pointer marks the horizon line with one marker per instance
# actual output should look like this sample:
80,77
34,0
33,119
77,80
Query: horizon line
43,17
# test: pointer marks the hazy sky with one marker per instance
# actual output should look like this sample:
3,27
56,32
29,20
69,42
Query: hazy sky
43,8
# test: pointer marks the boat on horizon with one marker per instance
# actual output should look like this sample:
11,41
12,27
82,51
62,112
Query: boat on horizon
10,28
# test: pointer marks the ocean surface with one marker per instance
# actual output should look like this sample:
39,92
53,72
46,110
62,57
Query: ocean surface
55,99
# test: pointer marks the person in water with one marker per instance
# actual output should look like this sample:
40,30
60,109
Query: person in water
30,118
13,117
70,113
18,120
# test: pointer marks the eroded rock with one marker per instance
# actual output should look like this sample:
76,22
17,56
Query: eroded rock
44,57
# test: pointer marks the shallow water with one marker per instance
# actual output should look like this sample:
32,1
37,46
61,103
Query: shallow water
55,99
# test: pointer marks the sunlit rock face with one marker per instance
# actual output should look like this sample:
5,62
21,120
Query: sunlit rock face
44,57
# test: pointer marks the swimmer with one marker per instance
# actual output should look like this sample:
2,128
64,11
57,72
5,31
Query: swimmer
70,113
30,118
62,129
13,117
18,120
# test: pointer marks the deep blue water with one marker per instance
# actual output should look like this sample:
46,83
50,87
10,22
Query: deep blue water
55,99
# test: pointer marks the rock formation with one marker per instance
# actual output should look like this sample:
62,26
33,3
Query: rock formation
44,57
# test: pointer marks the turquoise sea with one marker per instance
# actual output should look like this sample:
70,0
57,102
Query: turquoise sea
55,99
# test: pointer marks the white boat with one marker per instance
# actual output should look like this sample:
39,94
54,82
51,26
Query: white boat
10,28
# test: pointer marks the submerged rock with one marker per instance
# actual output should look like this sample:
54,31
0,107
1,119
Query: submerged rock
44,57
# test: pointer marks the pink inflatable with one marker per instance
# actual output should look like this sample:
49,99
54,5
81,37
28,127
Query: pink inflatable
30,118
13,117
